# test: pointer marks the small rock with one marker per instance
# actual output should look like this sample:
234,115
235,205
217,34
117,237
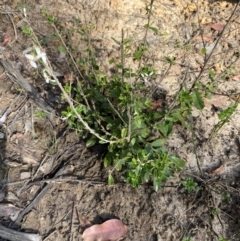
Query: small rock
2,135
29,159
11,197
9,210
25,175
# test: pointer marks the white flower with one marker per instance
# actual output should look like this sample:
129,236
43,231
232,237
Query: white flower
146,76
24,12
47,76
34,58
4,117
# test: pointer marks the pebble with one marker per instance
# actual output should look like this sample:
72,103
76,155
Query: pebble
11,197
25,175
2,135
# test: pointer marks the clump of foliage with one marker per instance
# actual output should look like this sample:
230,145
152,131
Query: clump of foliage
117,109
119,113
190,185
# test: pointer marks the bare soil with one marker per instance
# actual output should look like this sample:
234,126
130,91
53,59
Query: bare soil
41,153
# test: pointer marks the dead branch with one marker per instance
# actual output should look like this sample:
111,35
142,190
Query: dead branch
13,235
31,205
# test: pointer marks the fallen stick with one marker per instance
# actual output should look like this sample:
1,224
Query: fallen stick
13,235
35,201
30,206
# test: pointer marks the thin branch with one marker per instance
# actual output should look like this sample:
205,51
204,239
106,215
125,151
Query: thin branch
74,62
116,111
129,123
149,12
71,227
122,55
15,30
194,145
55,180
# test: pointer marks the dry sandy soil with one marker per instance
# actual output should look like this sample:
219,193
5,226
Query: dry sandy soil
36,150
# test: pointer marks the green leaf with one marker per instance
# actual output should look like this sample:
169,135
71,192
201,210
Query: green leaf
110,180
137,123
133,141
156,184
50,19
226,114
124,132
203,51
155,30
27,31
165,128
129,74
157,143
170,60
212,75
107,161
138,54
111,61
178,162
120,162
144,132
199,85
178,116
91,141
197,100
62,49
146,175
126,41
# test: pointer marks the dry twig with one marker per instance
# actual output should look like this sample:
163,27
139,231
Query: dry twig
13,235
